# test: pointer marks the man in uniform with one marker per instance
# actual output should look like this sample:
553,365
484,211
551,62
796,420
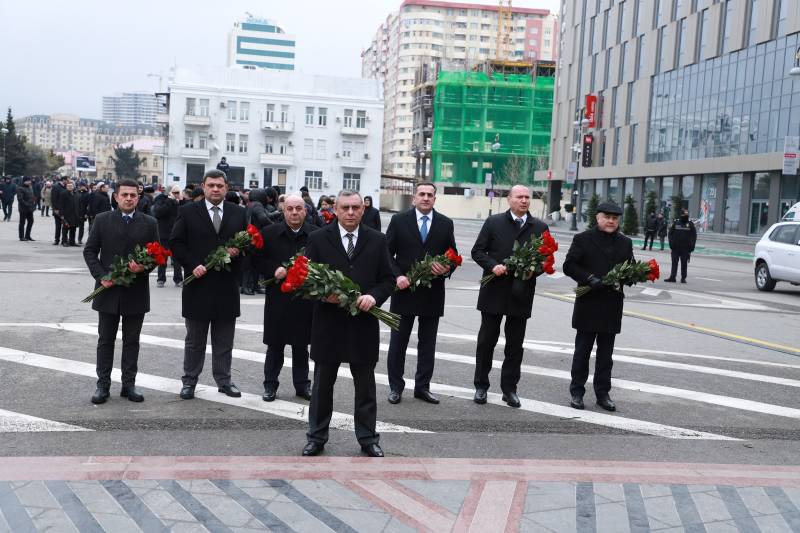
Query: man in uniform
505,295
682,238
287,320
597,315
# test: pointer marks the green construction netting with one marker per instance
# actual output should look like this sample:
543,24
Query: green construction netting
498,125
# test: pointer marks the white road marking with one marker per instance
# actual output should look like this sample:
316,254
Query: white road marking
650,292
11,422
549,409
291,410
59,269
709,279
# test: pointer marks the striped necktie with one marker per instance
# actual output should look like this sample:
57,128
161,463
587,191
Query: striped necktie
350,246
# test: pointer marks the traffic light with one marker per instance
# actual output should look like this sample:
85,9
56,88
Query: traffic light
586,153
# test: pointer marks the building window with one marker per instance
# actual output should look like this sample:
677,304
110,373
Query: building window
361,119
202,144
607,69
702,35
623,62
348,118
614,107
657,14
308,148
351,181
660,51
284,113
244,111
629,104
759,203
231,110
676,7
681,42
190,106
752,13
605,29
313,180
727,13
615,153
270,117
242,144
322,119
733,203
309,116
632,145
269,144
230,142
188,139
204,107
321,151
780,18
623,7
637,24
639,57
347,149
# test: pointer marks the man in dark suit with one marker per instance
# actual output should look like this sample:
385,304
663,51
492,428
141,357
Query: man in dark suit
212,299
287,320
411,236
337,337
116,234
597,315
505,295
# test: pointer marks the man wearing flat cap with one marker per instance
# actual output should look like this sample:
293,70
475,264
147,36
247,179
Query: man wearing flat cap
597,315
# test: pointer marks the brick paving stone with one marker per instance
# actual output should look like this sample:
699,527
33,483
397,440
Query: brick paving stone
161,502
710,506
227,510
448,494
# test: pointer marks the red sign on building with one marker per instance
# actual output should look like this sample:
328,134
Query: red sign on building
591,109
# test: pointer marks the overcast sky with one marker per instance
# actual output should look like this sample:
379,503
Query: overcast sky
64,56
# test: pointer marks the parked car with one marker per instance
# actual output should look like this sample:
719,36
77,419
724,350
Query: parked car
777,256
792,214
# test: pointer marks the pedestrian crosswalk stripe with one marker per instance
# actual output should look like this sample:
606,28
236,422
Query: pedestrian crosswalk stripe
534,406
11,422
281,408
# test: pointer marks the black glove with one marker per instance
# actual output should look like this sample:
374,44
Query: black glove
595,282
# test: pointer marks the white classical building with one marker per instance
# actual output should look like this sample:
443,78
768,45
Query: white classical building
275,128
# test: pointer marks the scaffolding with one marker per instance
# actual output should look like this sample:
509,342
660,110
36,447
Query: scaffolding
491,126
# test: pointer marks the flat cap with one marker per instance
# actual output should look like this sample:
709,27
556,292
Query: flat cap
609,208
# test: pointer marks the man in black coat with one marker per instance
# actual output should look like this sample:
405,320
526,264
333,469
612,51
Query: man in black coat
411,236
69,209
165,211
650,230
372,217
287,320
59,188
337,337
26,203
117,234
211,300
9,192
99,202
597,315
682,239
505,295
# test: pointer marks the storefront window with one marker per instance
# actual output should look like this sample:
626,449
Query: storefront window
687,191
790,193
613,190
733,203
708,201
759,203
586,193
667,190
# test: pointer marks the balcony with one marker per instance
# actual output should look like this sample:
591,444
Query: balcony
353,163
162,118
277,159
271,125
195,153
196,120
350,130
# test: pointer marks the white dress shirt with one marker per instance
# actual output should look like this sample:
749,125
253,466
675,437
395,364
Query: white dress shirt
209,205
419,219
345,241
523,218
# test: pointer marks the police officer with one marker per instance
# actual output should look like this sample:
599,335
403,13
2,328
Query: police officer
682,238
597,315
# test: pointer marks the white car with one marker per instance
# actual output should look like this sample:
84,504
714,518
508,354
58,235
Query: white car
777,256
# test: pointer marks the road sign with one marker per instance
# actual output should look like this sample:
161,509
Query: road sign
572,172
488,180
791,162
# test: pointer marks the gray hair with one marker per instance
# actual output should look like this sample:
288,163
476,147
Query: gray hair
348,192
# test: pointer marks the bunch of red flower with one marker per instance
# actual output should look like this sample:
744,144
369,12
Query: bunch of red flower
626,273
655,271
220,259
256,240
296,275
328,217
151,256
548,248
420,273
529,259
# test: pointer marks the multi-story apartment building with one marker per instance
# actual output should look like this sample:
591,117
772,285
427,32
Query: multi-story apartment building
63,132
130,109
276,128
457,35
694,102
150,152
260,43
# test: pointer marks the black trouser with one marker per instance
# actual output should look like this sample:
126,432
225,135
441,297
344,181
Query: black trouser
107,326
487,340
683,255
651,235
584,341
194,352
80,230
426,348
8,207
45,210
25,233
59,226
365,408
177,272
68,234
661,240
273,364
249,274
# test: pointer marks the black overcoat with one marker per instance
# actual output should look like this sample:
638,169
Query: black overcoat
287,320
406,248
596,252
111,237
215,295
336,336
494,244
372,218
165,210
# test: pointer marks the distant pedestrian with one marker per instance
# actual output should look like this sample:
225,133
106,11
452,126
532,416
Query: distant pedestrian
165,210
662,229
47,192
223,166
69,208
26,202
146,201
37,185
59,189
650,229
682,239
9,192
98,203
83,205
372,217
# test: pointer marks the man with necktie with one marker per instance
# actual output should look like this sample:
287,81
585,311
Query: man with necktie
411,236
211,301
505,295
113,234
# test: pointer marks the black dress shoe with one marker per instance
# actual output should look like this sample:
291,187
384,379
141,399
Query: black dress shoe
426,396
480,396
607,404
313,448
261,290
304,393
29,239
269,395
576,402
132,394
683,280
670,280
187,392
100,395
230,390
512,399
395,397
373,450
248,292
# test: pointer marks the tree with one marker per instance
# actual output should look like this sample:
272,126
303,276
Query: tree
630,224
126,162
591,210
651,205
677,204
516,170
39,161
14,148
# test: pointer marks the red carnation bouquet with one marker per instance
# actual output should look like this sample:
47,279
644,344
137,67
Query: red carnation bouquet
534,257
315,281
220,259
420,274
151,256
626,273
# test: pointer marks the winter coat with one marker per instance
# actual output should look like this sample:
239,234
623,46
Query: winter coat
26,202
682,236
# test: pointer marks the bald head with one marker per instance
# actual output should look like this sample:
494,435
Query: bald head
519,200
294,211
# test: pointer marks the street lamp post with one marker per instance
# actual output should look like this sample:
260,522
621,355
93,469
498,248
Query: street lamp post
795,71
4,131
580,126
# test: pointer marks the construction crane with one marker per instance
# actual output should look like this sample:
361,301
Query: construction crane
503,49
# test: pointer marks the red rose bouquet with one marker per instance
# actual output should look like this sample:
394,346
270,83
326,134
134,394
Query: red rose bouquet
626,273
327,216
420,274
534,257
315,281
151,256
220,258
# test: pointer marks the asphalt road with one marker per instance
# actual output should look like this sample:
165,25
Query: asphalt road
707,371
